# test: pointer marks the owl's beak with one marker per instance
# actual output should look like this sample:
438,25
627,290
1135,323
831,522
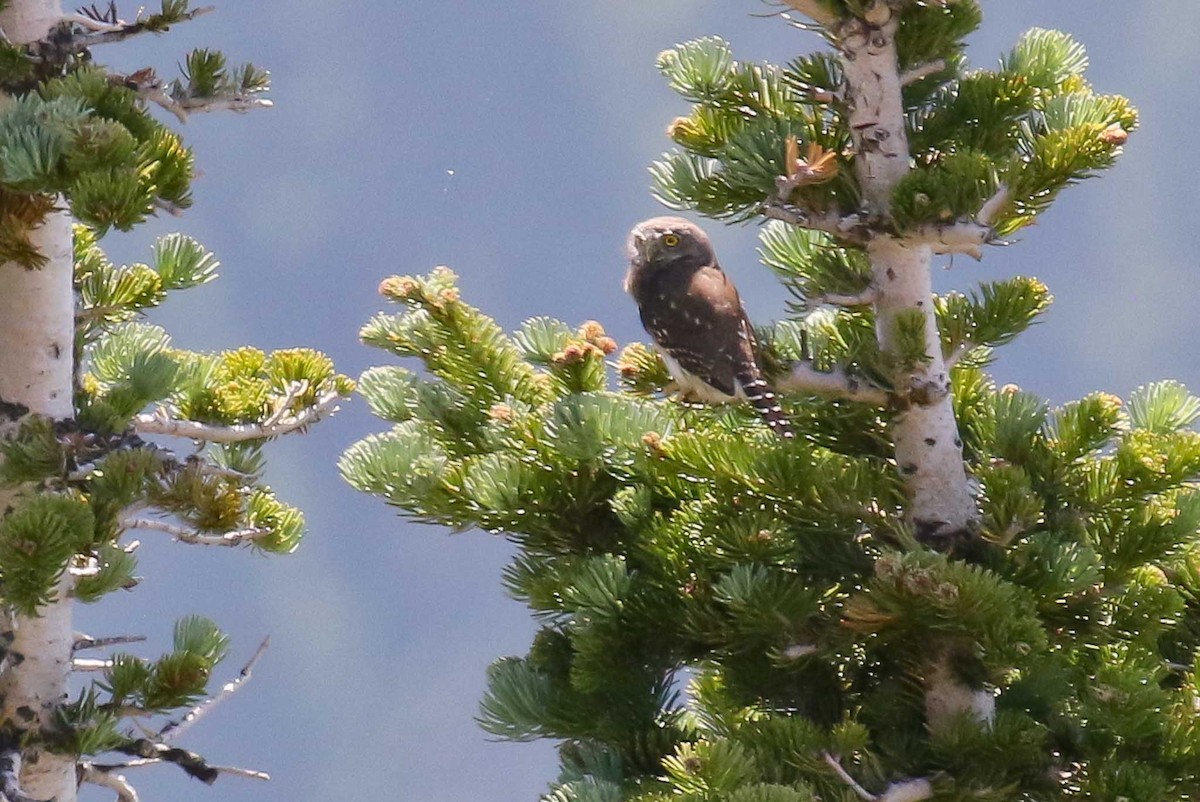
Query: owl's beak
643,244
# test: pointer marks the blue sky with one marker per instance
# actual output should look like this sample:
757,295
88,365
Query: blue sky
510,141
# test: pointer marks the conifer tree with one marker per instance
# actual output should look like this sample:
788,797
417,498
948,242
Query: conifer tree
84,382
942,589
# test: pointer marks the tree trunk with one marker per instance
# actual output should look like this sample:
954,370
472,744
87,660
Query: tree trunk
942,505
37,316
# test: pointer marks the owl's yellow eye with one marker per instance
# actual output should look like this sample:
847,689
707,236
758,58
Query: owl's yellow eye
670,240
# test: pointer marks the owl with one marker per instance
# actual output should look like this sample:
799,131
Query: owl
693,312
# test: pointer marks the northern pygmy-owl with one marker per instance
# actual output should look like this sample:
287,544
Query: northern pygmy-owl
693,312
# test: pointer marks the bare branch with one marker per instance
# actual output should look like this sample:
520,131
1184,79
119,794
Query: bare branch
93,24
192,764
845,777
964,236
83,641
864,298
160,422
849,229
835,384
922,71
186,534
176,728
993,206
238,771
90,773
90,664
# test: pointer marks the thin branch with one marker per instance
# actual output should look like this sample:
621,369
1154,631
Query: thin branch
90,664
864,298
93,24
134,763
192,764
964,236
836,384
814,10
239,102
294,390
83,642
160,422
993,206
922,71
186,534
238,771
176,728
850,228
90,773
845,777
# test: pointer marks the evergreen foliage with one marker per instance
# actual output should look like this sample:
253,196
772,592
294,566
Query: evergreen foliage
69,129
726,615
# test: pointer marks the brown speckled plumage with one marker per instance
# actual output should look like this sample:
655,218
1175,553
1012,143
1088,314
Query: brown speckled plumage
693,312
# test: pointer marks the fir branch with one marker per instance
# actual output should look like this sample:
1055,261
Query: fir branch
176,99
107,778
239,102
176,728
186,534
10,776
161,422
834,384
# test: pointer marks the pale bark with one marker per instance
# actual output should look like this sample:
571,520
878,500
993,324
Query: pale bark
942,504
37,312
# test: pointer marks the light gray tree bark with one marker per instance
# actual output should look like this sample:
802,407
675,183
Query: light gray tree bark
37,317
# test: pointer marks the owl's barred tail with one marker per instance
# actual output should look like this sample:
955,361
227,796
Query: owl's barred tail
766,404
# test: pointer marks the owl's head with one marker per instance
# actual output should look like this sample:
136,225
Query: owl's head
668,241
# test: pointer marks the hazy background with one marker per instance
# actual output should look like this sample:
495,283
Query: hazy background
510,141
